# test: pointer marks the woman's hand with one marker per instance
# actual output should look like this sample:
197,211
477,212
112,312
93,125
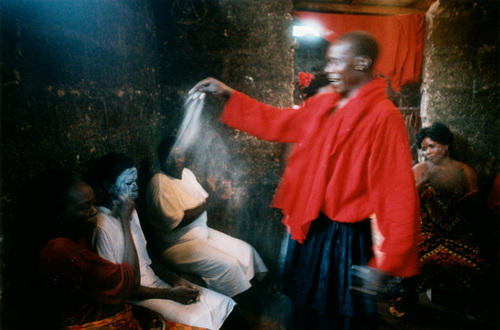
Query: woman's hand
181,294
123,208
184,295
212,86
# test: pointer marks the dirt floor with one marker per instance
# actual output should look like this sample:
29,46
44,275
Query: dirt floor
267,309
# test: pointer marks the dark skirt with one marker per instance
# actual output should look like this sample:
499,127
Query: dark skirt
316,273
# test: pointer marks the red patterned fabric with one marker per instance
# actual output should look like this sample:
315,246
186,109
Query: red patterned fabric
401,40
347,164
119,321
449,257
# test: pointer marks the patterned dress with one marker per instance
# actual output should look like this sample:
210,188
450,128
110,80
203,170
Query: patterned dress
450,258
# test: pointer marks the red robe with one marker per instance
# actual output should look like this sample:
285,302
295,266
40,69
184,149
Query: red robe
348,164
80,286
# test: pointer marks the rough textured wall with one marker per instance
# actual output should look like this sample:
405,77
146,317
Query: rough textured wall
82,78
460,79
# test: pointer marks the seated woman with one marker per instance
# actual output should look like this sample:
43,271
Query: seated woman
177,212
116,175
450,259
80,289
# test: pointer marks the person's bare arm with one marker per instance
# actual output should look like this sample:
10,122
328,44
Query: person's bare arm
471,177
124,211
181,294
192,214
422,174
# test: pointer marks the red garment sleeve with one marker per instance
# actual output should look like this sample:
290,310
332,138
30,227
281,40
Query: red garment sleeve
71,265
394,198
261,120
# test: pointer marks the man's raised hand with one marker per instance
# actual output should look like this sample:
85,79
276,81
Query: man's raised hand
212,86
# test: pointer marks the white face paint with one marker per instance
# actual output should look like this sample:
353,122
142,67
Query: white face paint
126,184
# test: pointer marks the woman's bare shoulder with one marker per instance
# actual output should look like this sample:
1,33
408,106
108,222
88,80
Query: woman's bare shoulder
421,167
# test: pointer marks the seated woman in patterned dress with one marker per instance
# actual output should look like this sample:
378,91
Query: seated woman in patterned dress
451,262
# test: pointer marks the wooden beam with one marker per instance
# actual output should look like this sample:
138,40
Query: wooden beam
356,9
420,4
395,3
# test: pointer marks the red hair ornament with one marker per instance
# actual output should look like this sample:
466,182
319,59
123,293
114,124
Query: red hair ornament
305,79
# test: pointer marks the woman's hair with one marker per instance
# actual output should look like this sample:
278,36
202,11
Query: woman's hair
438,132
104,171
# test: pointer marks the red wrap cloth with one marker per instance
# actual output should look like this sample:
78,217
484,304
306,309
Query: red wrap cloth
400,37
348,164
81,286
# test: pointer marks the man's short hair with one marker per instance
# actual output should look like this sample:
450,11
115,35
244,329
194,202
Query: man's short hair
363,43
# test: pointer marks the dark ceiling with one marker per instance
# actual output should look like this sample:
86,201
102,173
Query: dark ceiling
367,7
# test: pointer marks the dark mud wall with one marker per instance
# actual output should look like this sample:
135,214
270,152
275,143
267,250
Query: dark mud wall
82,78
460,80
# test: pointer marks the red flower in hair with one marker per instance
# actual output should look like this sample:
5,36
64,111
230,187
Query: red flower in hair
305,79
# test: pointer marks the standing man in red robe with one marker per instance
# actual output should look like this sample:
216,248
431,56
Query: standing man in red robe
351,160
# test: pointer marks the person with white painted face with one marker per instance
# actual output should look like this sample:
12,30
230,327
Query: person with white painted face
178,300
80,290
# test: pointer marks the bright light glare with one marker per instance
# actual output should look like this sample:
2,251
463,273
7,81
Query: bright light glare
306,30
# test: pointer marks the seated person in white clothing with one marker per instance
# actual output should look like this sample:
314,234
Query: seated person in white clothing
176,205
181,301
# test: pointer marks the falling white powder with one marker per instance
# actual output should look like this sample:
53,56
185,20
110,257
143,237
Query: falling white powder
190,127
210,158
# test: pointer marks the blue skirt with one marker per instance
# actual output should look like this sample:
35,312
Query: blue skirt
316,273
